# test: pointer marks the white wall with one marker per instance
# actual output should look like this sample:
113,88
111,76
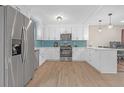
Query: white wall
103,38
52,32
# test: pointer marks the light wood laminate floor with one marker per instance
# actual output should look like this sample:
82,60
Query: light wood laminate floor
73,74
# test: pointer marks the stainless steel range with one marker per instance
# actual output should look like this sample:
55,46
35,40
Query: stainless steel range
66,53
65,48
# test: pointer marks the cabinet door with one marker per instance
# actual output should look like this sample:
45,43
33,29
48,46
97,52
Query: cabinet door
108,61
46,34
84,55
36,63
77,33
51,35
94,56
74,34
57,35
88,55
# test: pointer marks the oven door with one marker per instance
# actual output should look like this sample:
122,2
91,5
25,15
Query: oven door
66,53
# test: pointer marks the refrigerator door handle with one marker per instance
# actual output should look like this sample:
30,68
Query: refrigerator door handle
22,45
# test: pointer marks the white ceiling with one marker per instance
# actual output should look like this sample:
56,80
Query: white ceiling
75,14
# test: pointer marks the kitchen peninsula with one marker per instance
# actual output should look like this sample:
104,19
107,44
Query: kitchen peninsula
103,59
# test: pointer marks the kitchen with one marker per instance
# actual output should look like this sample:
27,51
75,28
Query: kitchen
84,38
59,36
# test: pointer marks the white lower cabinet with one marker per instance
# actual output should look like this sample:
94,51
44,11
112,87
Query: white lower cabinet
79,54
36,63
94,58
108,61
50,53
104,60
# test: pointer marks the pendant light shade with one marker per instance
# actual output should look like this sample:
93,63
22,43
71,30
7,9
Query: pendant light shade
110,23
100,28
110,26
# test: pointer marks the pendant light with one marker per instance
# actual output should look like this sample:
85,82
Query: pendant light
100,28
110,24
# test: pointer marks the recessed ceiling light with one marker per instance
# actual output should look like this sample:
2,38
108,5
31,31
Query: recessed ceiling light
59,18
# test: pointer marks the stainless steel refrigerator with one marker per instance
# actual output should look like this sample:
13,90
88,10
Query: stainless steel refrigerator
17,47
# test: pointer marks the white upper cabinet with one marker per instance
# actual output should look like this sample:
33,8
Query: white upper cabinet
45,34
57,34
77,33
52,32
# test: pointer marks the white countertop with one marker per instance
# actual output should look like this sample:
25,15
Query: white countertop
105,48
120,49
47,47
96,48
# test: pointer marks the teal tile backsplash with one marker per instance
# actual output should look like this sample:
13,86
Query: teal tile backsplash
51,43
